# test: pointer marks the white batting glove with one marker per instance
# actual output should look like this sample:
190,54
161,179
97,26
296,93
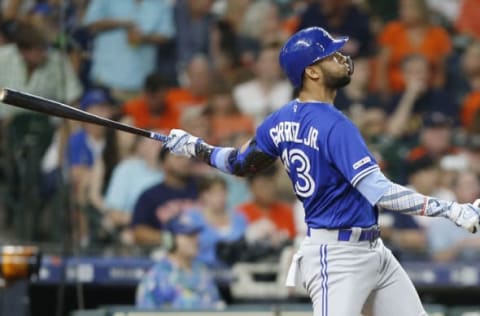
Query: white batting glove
181,143
466,215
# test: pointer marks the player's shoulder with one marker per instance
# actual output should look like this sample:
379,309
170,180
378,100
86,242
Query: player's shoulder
323,113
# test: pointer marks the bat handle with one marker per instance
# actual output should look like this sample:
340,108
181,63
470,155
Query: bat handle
160,137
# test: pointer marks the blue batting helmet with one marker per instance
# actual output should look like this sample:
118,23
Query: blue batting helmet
305,48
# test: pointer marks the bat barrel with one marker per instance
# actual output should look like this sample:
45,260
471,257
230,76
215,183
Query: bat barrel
50,107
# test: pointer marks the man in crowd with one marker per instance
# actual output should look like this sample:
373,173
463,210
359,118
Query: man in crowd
29,66
163,201
126,37
150,110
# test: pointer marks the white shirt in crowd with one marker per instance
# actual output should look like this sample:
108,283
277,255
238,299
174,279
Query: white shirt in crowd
253,100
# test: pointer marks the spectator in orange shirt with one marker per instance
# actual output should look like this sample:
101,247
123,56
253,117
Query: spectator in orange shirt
468,22
412,33
295,9
225,117
470,107
194,91
268,219
150,110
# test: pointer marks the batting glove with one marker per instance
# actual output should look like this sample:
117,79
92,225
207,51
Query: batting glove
466,215
181,143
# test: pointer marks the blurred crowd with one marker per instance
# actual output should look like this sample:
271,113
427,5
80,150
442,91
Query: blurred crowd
211,67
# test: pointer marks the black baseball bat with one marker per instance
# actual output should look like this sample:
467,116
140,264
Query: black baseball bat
42,105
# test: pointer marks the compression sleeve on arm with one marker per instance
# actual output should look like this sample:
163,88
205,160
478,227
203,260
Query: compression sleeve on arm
373,186
234,161
380,191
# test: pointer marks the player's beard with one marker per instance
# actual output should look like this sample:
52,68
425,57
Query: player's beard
335,83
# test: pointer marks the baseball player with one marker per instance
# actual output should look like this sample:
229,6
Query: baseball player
342,263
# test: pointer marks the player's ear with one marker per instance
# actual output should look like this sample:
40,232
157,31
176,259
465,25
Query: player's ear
313,72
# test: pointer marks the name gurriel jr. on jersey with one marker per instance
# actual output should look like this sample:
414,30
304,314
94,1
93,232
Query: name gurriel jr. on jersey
288,132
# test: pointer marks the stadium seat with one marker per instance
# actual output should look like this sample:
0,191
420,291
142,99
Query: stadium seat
96,312
435,310
264,279
464,311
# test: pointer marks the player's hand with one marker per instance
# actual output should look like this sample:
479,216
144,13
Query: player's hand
466,215
181,143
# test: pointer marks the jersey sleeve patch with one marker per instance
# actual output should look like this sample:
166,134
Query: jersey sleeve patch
361,162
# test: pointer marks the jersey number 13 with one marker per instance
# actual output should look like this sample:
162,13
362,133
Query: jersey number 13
296,158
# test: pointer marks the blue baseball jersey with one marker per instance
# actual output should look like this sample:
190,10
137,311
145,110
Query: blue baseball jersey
325,157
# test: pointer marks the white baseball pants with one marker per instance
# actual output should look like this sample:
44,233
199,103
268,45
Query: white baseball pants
352,278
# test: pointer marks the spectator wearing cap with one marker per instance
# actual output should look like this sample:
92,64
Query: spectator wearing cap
85,147
178,281
425,175
453,243
418,98
87,144
126,35
435,138
159,203
28,65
